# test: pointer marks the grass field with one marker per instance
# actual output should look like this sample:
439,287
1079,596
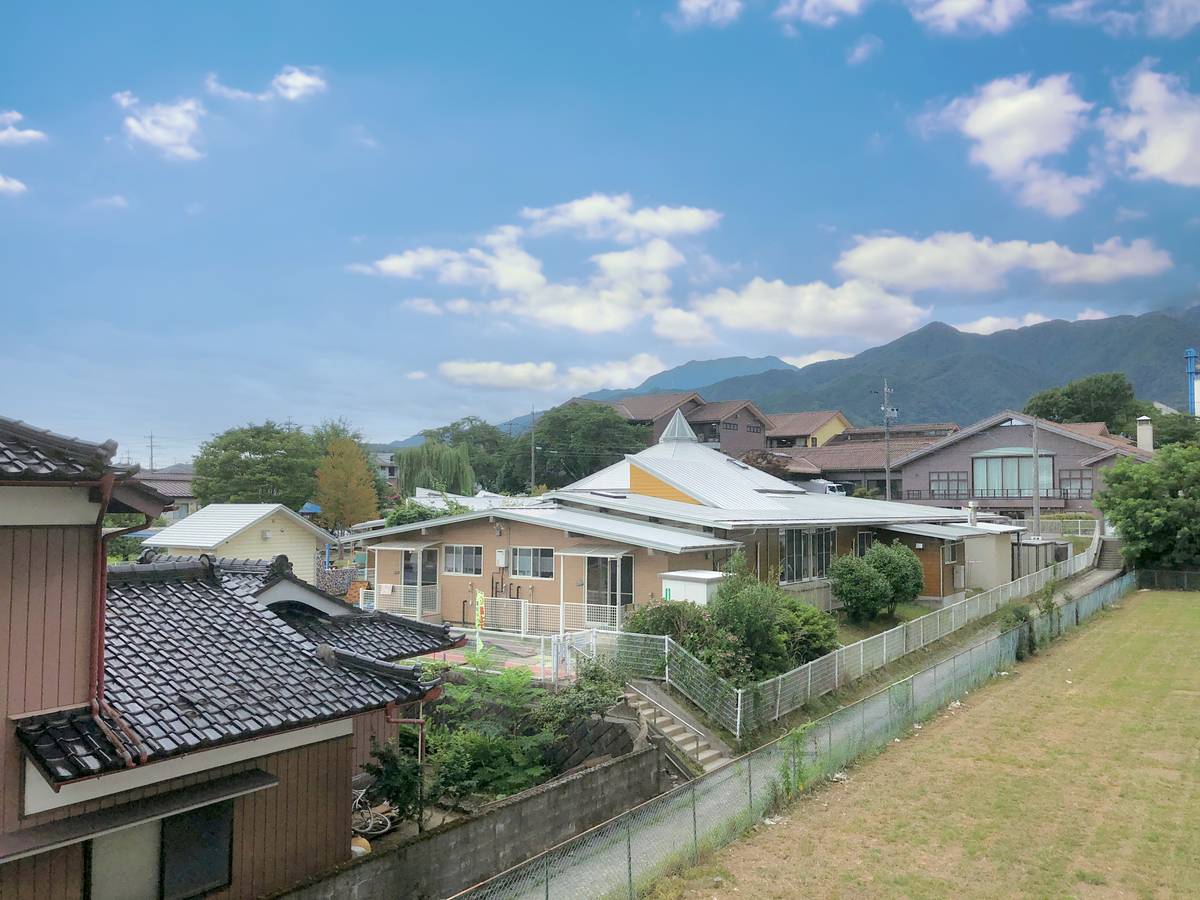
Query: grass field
1078,775
850,632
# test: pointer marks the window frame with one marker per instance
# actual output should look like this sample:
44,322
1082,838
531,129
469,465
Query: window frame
953,547
514,552
805,554
954,484
461,555
729,426
1086,479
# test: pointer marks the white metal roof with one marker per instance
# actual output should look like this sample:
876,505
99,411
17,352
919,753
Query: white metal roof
945,532
404,545
594,550
700,575
576,521
212,525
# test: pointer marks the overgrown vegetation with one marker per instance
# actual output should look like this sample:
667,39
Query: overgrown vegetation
750,630
490,736
876,582
1155,505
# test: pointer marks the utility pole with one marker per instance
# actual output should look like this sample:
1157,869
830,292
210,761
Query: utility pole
532,447
1037,483
150,437
889,414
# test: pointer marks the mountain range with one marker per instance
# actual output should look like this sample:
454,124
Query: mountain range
940,374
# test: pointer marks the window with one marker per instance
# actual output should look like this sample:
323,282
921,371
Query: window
181,856
805,553
730,426
756,429
864,541
951,552
533,562
947,485
462,559
1010,475
812,442
1076,484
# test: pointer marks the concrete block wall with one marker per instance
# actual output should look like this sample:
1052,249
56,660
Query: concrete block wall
460,854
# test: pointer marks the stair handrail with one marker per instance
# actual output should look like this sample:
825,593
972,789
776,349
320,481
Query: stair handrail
698,735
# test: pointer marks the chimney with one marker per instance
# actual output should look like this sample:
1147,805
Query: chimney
972,513
1145,433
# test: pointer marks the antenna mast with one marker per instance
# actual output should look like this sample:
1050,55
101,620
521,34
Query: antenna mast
890,414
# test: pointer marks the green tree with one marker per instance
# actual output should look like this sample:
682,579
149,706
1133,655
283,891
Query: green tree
436,466
1174,428
345,486
861,588
572,441
1155,507
902,569
486,445
1107,397
267,463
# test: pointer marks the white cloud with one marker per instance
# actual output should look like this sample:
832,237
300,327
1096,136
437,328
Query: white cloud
1171,18
422,305
1013,125
815,357
613,216
825,13
992,324
682,326
968,16
171,127
959,261
417,375
1113,19
11,186
290,83
1124,214
548,376
12,136
1156,134
693,13
864,48
116,201
813,310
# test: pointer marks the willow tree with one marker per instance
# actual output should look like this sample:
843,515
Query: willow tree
434,465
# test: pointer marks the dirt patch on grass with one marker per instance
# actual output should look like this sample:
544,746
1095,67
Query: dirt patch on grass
1076,776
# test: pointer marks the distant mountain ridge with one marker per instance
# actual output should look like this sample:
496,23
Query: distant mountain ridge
941,374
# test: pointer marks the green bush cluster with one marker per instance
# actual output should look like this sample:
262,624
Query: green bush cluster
490,735
749,631
878,581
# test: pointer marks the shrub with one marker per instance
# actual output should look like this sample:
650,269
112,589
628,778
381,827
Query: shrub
397,777
861,588
900,566
675,618
474,762
810,632
595,690
754,615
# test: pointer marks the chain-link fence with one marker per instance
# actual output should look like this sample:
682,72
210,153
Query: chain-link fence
1169,579
624,856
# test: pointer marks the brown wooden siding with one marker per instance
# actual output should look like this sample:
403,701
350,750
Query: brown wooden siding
45,634
367,726
281,835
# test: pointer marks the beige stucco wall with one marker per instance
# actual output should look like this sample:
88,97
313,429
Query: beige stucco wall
989,561
287,536
567,583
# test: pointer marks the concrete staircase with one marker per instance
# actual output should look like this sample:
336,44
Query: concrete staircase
689,740
1110,554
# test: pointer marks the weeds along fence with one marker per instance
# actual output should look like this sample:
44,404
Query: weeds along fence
741,711
624,856
1170,579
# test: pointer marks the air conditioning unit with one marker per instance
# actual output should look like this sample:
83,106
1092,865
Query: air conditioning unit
501,558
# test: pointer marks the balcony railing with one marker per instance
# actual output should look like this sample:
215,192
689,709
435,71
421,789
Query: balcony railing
998,494
409,600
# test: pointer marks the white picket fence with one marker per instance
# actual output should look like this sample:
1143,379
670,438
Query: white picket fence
409,600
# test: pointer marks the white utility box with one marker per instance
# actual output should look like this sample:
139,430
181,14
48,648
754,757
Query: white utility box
694,585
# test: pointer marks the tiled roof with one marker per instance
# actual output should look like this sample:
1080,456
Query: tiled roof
715,411
912,429
848,456
799,423
168,486
644,407
33,453
192,664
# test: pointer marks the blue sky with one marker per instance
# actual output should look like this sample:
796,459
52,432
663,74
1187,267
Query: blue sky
406,213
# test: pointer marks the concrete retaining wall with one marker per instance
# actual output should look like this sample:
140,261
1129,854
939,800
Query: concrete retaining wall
460,854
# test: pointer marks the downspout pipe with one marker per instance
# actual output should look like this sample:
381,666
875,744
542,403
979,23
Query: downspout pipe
100,708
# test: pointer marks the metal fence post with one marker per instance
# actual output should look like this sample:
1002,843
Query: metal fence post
778,693
629,854
737,728
750,784
666,659
547,858
695,829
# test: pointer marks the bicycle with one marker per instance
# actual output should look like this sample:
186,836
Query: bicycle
366,820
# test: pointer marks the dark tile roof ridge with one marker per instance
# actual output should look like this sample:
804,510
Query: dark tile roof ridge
409,674
180,569
442,630
21,429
